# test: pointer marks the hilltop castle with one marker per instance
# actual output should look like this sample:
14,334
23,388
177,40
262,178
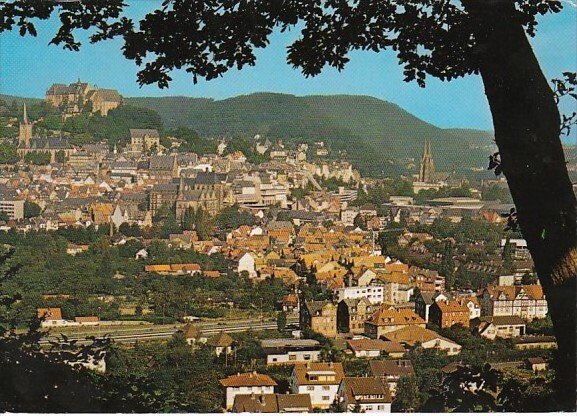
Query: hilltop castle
81,97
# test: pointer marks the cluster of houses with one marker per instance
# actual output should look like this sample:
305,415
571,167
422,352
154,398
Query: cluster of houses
379,308
313,385
96,184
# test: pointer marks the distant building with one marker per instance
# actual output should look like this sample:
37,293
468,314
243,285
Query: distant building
365,395
222,343
193,335
144,140
446,313
413,335
423,302
374,293
536,364
375,348
291,303
272,403
73,99
521,251
428,179
163,194
352,314
246,383
388,319
27,143
104,100
291,351
320,380
319,316
391,371
25,130
12,207
492,327
206,190
51,317
427,168
525,301
535,342
174,269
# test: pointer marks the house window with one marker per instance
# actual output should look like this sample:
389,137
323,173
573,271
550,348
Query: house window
326,398
292,357
310,388
307,356
326,387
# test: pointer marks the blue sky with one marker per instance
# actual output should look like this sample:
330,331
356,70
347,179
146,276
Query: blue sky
28,66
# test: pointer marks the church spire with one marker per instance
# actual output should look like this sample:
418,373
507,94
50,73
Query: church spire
25,130
25,115
427,165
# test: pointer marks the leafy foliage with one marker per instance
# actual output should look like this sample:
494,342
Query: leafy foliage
192,142
31,209
358,126
37,158
231,218
566,87
408,397
8,154
209,38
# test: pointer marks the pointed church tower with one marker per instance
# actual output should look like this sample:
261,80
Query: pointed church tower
175,170
25,132
427,165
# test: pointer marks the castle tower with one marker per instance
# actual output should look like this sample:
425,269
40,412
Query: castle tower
25,132
427,165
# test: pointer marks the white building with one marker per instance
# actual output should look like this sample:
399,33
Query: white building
375,294
246,383
473,305
13,208
525,301
291,351
520,245
246,264
320,380
492,327
348,216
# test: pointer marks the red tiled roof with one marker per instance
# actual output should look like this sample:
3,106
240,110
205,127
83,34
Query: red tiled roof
248,379
389,316
49,313
81,319
375,345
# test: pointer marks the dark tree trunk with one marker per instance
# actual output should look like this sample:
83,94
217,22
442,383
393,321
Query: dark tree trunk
527,132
